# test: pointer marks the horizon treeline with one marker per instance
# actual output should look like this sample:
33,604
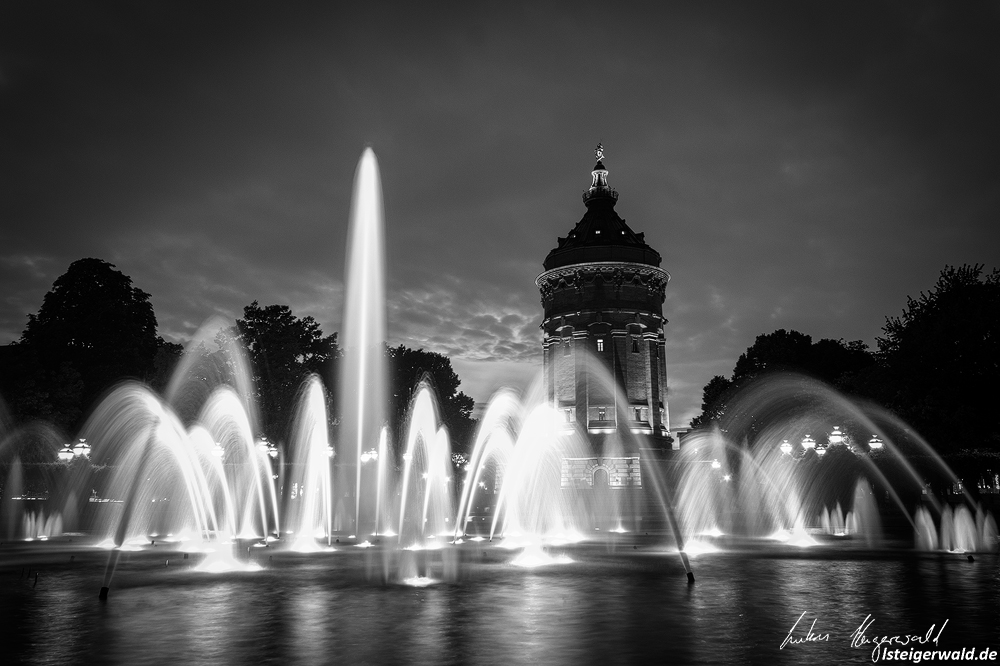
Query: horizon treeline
95,329
936,366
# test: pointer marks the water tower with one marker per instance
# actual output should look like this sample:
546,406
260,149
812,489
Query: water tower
602,293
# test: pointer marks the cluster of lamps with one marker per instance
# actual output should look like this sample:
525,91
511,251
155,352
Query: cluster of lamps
263,446
836,437
79,450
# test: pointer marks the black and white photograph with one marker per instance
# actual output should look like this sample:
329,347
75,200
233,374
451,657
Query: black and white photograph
499,333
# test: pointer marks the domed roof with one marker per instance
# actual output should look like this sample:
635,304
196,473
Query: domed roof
602,235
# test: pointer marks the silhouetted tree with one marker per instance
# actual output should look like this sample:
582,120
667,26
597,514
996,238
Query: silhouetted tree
283,350
939,362
406,368
93,329
713,402
832,361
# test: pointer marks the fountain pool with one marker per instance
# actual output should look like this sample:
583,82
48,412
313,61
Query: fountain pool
616,602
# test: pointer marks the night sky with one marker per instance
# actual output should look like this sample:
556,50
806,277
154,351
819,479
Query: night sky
798,165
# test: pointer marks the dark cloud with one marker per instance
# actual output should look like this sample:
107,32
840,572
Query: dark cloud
798,165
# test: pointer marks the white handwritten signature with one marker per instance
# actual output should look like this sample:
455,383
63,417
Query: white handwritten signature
860,638
810,636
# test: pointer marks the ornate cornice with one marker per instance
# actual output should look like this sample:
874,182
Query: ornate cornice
618,273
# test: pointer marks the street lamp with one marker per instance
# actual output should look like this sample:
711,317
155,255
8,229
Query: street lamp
836,437
66,453
821,451
808,442
786,447
875,443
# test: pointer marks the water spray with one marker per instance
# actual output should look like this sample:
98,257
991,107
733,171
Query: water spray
109,571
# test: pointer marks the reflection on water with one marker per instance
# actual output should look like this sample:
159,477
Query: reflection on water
599,609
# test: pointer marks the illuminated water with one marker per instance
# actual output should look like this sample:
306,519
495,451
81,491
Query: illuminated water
608,606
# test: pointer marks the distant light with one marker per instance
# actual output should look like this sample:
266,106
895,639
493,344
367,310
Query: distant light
808,442
821,450
875,443
727,477
836,437
330,453
82,449
786,447
217,450
716,464
66,454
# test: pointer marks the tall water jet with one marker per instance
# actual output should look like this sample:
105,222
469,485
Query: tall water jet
363,403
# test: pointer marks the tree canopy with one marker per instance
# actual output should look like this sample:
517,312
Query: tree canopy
406,368
93,329
283,349
939,362
831,361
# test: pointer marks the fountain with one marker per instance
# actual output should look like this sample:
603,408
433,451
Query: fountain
183,478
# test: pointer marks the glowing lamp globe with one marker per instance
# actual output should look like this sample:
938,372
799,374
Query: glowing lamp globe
786,447
82,449
875,443
808,442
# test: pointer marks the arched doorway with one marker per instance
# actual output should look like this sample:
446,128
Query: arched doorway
604,504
